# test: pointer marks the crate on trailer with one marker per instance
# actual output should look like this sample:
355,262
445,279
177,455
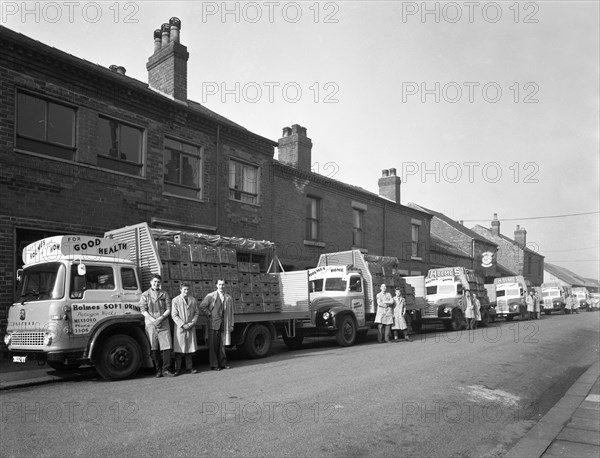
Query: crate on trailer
185,252
233,272
254,267
184,238
246,287
257,287
163,250
175,270
274,287
210,254
197,290
186,271
174,251
164,268
243,267
238,308
206,271
266,297
215,271
196,271
265,287
175,288
257,297
196,253
247,296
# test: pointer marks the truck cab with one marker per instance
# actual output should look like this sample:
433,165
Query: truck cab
75,295
553,298
337,301
510,295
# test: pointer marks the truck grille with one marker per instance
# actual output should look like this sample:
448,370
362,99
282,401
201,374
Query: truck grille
27,338
430,311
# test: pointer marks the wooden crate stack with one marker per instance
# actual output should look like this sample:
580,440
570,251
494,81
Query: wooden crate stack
186,258
388,275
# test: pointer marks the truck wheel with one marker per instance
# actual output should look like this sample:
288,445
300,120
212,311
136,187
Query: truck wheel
293,343
485,318
62,367
346,333
258,341
509,317
120,357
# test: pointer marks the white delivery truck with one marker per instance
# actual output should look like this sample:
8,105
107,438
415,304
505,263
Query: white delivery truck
583,296
77,301
554,296
444,289
510,296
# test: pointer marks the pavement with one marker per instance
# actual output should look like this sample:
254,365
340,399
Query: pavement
569,429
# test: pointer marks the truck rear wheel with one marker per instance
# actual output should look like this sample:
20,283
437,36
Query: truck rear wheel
346,333
293,343
258,341
120,357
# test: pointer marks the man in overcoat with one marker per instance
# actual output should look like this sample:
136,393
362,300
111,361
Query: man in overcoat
218,307
155,305
185,315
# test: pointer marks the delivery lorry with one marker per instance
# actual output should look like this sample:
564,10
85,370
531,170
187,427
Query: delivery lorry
444,298
554,296
583,296
510,296
77,301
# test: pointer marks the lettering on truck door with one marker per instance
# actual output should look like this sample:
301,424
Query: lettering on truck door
356,298
95,297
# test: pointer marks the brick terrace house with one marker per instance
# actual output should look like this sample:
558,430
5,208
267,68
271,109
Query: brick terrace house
84,149
453,244
315,214
514,254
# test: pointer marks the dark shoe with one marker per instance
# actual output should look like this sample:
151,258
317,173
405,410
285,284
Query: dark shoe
168,373
215,368
193,371
176,374
224,367
159,374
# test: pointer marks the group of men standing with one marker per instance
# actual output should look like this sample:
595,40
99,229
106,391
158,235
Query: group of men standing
156,306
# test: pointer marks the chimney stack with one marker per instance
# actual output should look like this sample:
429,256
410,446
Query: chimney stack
520,236
495,225
389,185
167,67
295,148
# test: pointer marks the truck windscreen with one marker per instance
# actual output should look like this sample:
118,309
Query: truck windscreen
42,282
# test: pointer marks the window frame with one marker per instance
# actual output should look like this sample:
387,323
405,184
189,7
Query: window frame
358,232
122,165
45,147
233,177
171,188
316,220
416,249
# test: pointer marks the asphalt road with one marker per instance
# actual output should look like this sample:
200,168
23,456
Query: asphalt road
471,393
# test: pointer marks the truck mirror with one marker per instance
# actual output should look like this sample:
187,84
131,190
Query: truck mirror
81,269
19,274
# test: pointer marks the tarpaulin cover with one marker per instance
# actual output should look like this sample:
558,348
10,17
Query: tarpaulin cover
238,243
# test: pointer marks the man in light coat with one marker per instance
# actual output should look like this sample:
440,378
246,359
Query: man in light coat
185,315
218,307
155,305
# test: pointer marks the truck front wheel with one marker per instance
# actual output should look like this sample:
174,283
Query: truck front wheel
258,341
120,357
346,333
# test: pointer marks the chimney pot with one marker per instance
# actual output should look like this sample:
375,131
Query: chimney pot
166,30
389,185
157,40
495,215
287,131
385,173
121,70
495,225
175,28
113,68
393,172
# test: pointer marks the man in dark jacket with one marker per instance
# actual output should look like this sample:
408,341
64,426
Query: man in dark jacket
218,307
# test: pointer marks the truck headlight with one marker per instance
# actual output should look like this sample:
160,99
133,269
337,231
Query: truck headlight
326,315
447,310
48,338
7,339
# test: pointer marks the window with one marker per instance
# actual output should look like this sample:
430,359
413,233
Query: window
358,218
96,277
243,182
128,279
313,205
183,168
415,248
119,146
45,127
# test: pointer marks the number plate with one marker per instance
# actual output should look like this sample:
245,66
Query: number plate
19,359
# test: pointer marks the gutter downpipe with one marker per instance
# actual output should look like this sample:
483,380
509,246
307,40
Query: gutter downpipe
217,180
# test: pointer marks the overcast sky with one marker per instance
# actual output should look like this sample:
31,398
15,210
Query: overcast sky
482,107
